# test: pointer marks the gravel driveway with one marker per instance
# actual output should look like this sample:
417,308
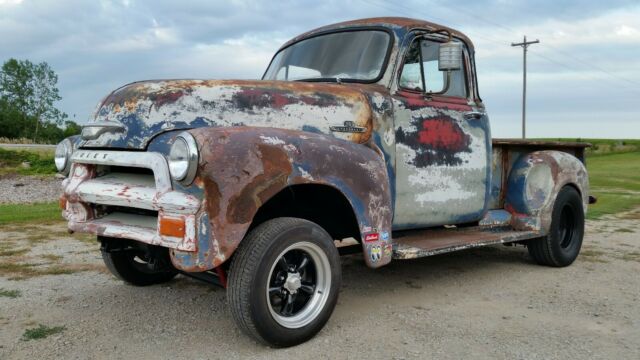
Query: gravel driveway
483,303
15,189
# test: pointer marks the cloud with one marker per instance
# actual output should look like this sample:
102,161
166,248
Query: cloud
586,62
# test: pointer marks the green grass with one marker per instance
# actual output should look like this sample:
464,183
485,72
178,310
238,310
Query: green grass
10,293
21,213
616,171
41,332
605,146
615,181
41,162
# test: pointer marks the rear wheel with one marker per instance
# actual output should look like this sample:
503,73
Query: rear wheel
284,281
137,265
562,245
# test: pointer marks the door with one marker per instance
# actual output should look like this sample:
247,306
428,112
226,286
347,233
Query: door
442,144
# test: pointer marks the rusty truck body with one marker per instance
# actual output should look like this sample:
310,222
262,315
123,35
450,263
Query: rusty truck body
370,130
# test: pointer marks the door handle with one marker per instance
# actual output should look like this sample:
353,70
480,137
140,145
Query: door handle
474,115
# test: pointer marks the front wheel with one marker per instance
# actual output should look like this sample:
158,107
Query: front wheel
137,265
284,281
562,245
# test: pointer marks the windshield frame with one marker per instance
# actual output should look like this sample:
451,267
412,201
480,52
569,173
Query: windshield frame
383,68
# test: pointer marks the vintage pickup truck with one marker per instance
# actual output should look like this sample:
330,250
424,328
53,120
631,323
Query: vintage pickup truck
367,135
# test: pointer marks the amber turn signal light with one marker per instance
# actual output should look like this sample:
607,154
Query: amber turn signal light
63,203
172,226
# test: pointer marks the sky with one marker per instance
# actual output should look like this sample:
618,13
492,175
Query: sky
583,78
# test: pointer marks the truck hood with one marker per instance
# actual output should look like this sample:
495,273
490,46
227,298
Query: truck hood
133,114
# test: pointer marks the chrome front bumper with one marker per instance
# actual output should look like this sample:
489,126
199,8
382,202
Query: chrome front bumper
127,190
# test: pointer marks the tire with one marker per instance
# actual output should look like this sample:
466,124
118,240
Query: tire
271,299
562,245
137,268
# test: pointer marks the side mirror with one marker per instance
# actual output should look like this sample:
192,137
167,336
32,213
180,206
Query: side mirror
450,56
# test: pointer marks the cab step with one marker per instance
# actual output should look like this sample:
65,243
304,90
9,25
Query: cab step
420,243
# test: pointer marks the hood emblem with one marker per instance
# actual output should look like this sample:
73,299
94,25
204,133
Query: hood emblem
349,126
93,130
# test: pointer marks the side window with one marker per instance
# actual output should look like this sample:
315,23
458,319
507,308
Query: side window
411,76
420,71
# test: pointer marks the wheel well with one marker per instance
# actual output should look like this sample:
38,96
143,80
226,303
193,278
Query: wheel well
321,204
575,187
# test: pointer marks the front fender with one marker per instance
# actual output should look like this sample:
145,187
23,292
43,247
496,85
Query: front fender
241,168
534,182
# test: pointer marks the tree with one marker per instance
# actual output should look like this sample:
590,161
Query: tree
71,128
32,90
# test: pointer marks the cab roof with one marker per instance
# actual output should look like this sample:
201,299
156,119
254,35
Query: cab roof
395,24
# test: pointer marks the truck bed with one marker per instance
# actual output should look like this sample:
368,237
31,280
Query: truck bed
507,151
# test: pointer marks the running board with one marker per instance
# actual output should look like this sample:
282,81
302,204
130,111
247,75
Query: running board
420,243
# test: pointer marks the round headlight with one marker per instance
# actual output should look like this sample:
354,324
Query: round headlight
62,157
183,158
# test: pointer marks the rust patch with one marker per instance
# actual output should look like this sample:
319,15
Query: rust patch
243,167
212,194
250,98
276,169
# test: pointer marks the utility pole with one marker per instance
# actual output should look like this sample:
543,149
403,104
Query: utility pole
525,44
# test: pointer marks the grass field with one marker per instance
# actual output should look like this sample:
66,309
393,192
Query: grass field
615,181
605,146
40,162
24,213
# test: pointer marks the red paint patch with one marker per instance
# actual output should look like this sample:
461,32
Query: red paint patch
371,237
443,134
168,98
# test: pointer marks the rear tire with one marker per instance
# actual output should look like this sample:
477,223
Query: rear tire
284,281
139,266
562,245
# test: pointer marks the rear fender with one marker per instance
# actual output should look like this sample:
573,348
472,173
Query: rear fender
241,168
534,182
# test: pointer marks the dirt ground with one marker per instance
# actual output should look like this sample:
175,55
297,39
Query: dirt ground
484,303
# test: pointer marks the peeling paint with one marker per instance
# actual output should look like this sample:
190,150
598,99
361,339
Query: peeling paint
402,160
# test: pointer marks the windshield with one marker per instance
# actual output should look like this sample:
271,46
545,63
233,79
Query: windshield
349,55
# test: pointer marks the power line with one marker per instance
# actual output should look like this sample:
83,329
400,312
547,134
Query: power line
546,45
412,12
598,68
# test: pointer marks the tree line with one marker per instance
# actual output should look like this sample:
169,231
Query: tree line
28,94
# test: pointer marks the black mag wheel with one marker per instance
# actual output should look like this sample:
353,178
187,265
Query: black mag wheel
283,281
299,285
562,245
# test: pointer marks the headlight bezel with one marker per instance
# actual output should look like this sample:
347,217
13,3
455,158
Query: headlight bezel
191,158
62,156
